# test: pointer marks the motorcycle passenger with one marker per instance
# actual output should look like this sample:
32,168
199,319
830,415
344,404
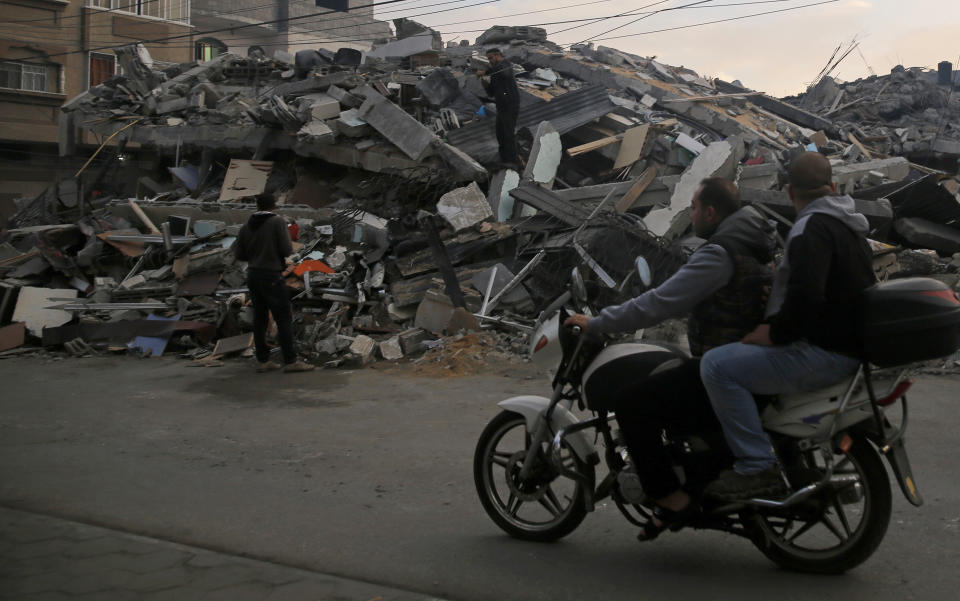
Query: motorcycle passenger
807,340
724,287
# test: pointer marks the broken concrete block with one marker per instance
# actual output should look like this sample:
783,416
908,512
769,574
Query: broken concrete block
544,156
362,348
316,132
320,106
351,125
440,87
32,310
461,163
173,106
391,349
895,168
344,97
462,320
927,234
707,164
498,197
412,340
434,312
464,207
394,124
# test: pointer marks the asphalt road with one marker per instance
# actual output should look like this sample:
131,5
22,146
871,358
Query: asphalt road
367,475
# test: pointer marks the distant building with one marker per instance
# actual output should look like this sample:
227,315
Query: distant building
53,50
288,25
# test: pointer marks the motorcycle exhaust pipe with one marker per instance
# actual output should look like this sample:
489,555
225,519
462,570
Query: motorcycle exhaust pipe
806,492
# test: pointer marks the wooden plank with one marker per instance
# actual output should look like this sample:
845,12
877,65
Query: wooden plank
591,146
714,97
636,189
143,217
857,143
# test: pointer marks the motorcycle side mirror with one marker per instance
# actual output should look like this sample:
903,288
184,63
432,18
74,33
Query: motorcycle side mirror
577,287
643,270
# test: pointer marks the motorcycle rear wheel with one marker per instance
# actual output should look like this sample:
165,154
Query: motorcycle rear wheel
840,528
545,507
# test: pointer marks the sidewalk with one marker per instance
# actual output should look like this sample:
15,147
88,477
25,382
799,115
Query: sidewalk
48,559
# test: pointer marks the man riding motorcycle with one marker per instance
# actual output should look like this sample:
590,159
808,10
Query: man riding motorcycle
724,287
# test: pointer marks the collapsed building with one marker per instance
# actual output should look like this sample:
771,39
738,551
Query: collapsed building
406,229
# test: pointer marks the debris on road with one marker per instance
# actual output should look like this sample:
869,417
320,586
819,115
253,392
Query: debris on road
407,231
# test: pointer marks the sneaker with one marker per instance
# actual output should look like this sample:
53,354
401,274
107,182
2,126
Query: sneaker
298,366
734,486
268,366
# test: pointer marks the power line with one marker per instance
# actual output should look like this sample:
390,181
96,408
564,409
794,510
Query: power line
599,19
769,12
642,18
591,20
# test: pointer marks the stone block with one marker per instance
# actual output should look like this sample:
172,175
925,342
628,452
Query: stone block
464,207
344,97
351,125
362,348
316,132
320,106
391,349
394,124
895,168
412,341
462,164
927,234
434,312
439,88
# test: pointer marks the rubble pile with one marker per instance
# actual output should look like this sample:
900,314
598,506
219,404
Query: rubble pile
904,113
406,228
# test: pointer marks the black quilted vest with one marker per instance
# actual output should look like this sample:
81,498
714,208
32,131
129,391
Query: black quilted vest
736,309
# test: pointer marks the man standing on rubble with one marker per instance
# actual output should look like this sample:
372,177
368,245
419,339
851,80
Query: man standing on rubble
724,288
808,339
264,243
503,88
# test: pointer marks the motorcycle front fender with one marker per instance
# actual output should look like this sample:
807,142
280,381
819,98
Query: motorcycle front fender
532,406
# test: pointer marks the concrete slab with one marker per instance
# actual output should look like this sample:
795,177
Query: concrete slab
544,156
710,161
927,234
31,309
394,124
464,207
498,197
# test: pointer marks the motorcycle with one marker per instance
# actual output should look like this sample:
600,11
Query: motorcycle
535,463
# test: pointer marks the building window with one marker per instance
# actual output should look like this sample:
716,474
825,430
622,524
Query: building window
171,10
102,68
34,77
208,49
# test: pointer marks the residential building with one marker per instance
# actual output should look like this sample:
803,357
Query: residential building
53,50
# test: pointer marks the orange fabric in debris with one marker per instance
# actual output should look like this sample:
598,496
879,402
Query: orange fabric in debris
311,265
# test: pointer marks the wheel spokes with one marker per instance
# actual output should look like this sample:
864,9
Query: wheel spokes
513,505
501,458
550,502
838,507
826,521
803,529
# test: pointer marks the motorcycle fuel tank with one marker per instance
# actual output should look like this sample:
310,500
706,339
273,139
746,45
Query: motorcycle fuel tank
621,364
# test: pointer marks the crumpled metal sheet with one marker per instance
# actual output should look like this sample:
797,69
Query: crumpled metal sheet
565,113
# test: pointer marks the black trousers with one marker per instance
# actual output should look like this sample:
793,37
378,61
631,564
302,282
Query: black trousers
269,295
673,400
507,134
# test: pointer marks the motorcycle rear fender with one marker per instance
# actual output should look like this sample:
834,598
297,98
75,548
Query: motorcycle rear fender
532,406
896,454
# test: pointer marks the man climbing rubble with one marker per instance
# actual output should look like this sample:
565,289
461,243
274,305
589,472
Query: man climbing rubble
502,87
724,287
264,243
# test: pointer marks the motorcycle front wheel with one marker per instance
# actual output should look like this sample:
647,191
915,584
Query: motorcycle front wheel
840,527
544,507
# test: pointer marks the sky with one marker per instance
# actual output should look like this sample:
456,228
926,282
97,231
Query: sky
777,53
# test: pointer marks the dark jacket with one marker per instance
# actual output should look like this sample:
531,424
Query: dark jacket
710,271
264,242
503,87
825,268
733,311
